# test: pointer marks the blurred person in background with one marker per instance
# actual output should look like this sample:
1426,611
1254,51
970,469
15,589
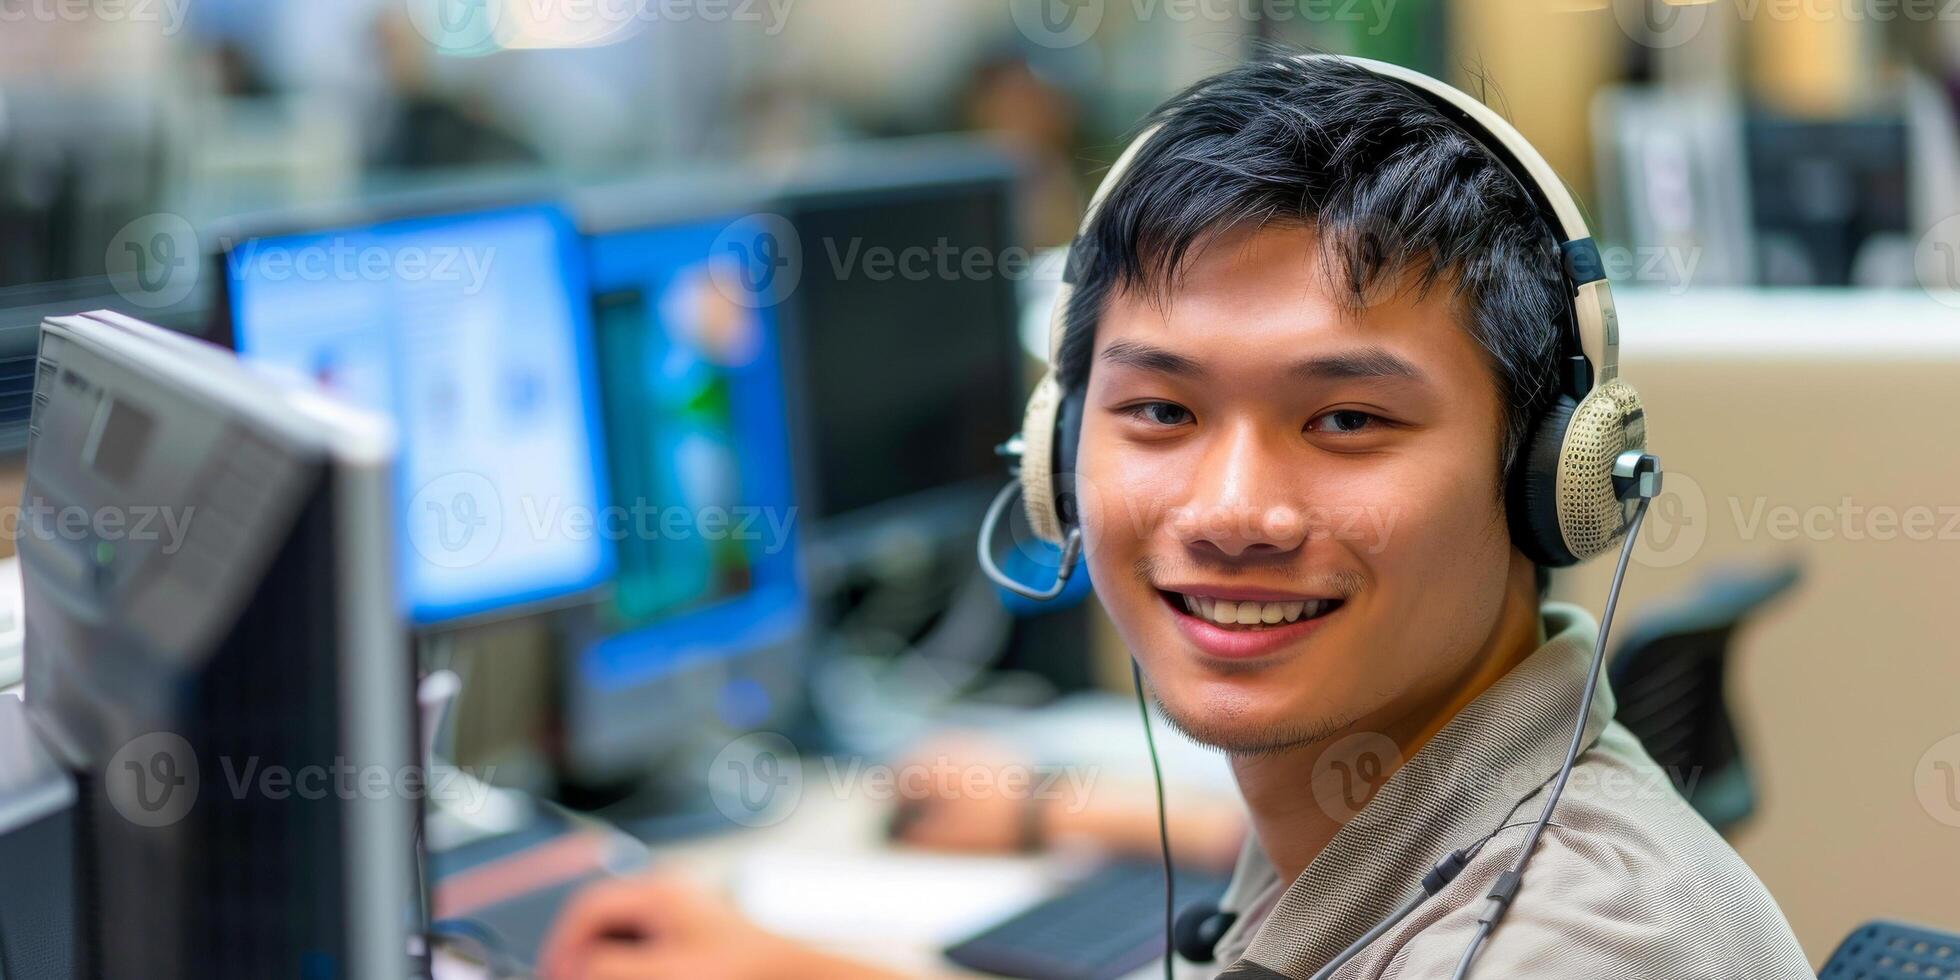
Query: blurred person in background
1007,100
426,129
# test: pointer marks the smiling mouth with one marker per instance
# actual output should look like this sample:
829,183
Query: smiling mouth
1249,615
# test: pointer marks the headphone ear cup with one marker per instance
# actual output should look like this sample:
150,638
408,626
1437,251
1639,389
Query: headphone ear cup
1562,503
1608,421
1038,460
1068,436
1531,501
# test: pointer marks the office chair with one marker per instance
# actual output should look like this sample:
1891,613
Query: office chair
1880,950
1670,676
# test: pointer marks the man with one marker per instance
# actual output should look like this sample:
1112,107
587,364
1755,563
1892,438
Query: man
1312,327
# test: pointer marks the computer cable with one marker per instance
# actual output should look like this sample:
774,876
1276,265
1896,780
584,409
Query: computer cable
1163,822
1435,881
1505,889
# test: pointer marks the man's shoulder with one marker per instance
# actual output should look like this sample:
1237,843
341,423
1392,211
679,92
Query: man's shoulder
1627,881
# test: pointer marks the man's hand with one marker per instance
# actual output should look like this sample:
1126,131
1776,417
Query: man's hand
1018,808
660,928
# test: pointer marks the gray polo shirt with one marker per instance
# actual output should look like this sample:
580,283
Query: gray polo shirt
1628,882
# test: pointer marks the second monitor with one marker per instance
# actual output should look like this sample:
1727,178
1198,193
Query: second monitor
707,606
903,346
472,331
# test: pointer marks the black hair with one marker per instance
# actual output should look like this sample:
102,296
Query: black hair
1396,192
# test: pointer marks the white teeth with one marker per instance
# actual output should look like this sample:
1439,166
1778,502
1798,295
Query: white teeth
1227,612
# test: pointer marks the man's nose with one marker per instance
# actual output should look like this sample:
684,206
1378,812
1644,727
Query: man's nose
1243,498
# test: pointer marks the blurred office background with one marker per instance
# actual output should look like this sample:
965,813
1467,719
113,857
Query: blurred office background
1775,183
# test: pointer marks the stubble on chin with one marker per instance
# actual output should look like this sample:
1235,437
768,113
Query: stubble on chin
1226,728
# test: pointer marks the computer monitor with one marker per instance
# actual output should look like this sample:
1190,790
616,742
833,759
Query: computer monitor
472,331
707,604
903,334
207,574
1831,199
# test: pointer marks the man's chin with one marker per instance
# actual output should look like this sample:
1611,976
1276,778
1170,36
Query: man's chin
1244,730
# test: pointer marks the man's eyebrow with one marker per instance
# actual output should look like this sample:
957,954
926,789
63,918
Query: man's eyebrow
1139,355
1365,362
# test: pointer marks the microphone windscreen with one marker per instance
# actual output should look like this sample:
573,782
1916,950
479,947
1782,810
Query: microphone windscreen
1197,930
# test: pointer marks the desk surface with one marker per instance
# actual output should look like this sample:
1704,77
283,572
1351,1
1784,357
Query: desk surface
777,875
827,874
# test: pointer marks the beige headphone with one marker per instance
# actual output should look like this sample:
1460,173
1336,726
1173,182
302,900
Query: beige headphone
1565,502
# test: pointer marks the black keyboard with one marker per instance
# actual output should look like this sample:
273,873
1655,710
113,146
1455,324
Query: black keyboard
1107,927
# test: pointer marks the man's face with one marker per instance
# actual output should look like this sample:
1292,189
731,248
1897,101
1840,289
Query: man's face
1292,512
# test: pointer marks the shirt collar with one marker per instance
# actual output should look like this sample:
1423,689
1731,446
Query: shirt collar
1460,786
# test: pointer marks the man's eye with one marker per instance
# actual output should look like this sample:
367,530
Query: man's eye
1160,413
1344,422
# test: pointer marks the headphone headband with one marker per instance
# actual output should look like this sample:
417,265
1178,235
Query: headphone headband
1594,320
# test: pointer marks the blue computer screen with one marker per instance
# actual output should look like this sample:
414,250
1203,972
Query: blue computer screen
473,331
691,385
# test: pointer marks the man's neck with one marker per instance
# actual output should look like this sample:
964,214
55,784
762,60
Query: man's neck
1299,798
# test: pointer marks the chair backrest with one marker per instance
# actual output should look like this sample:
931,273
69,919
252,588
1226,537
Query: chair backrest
1881,950
1670,675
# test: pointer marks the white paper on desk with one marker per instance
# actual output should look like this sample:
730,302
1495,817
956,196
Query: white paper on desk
885,896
